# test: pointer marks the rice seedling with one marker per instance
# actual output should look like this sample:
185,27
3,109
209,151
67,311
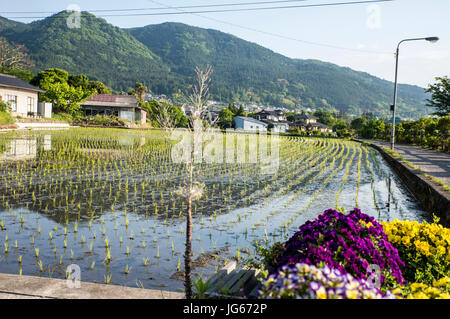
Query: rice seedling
127,269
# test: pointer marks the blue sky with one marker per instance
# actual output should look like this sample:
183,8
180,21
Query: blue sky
359,28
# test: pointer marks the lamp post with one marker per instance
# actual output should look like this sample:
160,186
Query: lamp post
393,107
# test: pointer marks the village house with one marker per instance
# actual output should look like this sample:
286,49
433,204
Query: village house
309,123
21,96
249,124
122,106
275,116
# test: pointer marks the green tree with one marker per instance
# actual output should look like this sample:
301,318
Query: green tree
440,96
226,118
99,87
80,80
357,123
164,115
140,90
65,98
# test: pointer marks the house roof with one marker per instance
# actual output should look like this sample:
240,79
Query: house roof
250,119
305,116
11,81
285,123
276,112
109,100
317,124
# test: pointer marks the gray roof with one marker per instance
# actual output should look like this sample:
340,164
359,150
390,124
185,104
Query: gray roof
305,116
11,81
250,119
110,100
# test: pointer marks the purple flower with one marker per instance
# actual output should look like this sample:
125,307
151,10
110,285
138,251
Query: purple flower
346,242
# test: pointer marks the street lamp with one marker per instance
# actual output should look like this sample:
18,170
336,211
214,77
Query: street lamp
429,39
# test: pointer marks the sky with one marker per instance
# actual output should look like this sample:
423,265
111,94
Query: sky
363,37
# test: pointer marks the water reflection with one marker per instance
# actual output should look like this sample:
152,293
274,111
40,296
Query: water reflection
24,149
20,149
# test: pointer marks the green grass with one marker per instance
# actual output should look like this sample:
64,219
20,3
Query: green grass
6,118
64,117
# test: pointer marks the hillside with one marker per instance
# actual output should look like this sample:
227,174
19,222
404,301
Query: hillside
98,49
249,72
163,57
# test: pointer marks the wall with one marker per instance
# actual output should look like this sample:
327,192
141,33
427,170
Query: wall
22,96
430,195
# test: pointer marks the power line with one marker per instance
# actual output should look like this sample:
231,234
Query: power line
279,35
149,9
224,10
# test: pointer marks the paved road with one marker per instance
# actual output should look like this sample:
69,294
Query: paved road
434,163
29,287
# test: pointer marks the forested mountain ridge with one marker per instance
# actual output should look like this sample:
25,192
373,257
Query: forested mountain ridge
163,57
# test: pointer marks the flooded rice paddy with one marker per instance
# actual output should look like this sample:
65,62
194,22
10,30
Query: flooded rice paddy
105,200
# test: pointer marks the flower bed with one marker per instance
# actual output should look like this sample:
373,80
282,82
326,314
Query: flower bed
338,255
303,281
353,243
425,249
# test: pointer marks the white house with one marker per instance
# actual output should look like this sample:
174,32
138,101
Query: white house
21,96
249,124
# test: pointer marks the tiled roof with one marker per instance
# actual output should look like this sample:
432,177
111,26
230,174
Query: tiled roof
304,116
7,80
112,100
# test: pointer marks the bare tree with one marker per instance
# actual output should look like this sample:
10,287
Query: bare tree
164,118
193,190
14,56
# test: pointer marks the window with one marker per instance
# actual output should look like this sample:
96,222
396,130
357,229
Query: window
30,104
12,101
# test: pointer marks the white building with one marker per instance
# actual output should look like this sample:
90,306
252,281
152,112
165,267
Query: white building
249,124
21,96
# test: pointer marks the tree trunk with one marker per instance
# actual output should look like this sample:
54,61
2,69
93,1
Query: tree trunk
187,254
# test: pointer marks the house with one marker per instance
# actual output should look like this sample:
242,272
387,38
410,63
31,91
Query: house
309,123
277,126
306,119
275,116
249,124
21,96
122,106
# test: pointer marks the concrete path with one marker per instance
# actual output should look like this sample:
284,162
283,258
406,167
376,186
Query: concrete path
28,287
433,163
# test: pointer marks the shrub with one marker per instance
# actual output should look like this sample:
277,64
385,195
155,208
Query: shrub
424,247
440,289
3,107
347,242
6,118
302,281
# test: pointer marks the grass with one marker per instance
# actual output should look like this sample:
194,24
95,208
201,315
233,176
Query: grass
6,118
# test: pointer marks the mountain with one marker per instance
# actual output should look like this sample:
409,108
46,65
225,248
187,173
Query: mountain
249,72
164,56
98,49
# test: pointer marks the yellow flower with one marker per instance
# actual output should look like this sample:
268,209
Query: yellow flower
351,294
321,293
441,282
